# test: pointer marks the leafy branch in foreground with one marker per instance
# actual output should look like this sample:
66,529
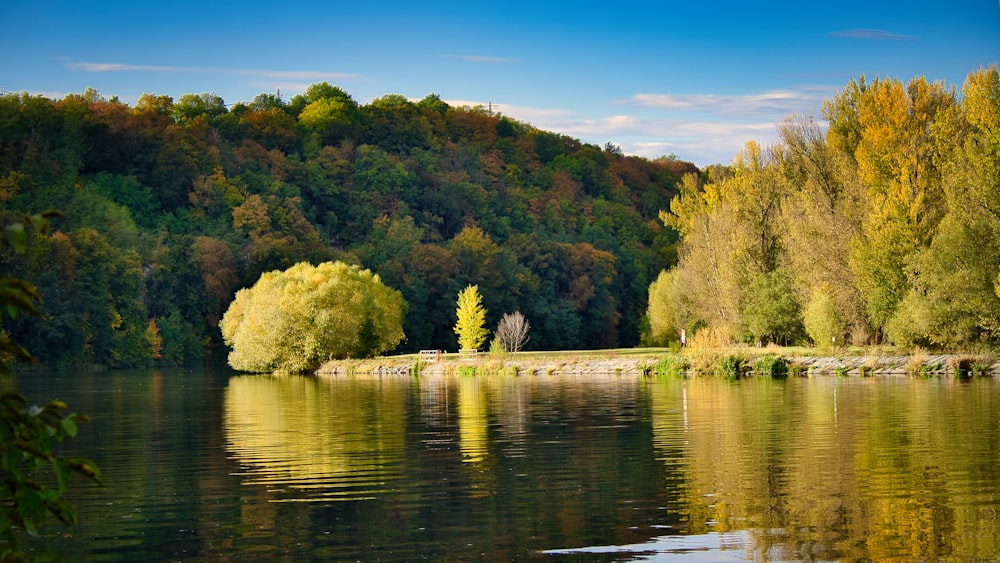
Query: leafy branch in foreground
27,431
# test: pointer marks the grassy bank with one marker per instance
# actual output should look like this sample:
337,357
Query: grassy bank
719,362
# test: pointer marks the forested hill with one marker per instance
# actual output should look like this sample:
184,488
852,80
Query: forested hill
172,206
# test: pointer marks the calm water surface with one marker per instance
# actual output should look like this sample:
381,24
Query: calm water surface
214,466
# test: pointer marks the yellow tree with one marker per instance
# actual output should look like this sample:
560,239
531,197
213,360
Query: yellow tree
822,214
952,301
471,325
707,272
885,127
757,190
294,320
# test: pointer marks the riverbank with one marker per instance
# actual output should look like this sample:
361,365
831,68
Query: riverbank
692,363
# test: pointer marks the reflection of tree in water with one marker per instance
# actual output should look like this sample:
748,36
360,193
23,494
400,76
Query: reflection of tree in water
473,420
294,434
835,470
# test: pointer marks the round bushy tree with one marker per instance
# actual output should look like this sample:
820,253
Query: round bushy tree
299,318
822,319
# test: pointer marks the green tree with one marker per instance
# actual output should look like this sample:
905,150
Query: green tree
669,309
822,319
772,312
884,128
192,106
294,320
28,432
951,301
708,263
822,214
471,325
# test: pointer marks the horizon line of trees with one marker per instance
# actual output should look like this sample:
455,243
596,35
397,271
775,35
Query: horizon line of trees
172,206
884,227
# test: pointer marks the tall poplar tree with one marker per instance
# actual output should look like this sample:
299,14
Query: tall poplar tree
471,325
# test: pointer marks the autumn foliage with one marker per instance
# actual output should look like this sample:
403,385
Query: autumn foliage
882,228
294,320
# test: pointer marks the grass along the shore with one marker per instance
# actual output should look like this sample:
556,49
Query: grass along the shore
731,362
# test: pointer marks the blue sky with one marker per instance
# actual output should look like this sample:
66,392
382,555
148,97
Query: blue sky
694,79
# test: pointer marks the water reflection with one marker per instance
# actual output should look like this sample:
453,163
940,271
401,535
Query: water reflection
590,467
895,469
472,419
704,548
306,443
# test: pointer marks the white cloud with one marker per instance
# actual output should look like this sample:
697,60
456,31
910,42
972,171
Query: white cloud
531,115
783,102
702,139
870,34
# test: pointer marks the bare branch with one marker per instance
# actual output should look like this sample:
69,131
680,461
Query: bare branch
512,331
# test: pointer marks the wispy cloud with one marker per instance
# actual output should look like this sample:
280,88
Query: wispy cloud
481,59
869,34
703,140
527,114
259,73
748,105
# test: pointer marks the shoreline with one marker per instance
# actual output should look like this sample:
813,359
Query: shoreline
698,365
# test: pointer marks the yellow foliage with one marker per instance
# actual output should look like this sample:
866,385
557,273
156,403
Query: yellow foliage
471,324
299,318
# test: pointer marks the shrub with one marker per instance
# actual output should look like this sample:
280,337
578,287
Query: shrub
928,370
771,365
961,366
497,349
822,320
730,366
915,364
672,366
980,367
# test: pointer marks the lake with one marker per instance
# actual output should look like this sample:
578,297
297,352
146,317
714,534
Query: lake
210,465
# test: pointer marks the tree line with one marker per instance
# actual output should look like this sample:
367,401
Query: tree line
171,206
882,226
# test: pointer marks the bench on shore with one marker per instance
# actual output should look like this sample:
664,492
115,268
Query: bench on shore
468,354
431,356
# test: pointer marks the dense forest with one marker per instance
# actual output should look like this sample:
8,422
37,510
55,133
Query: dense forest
170,207
880,225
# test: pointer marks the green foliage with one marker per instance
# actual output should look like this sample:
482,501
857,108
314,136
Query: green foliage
471,324
772,312
672,366
730,366
665,310
497,348
28,433
430,197
928,370
771,365
892,210
822,320
980,368
294,320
